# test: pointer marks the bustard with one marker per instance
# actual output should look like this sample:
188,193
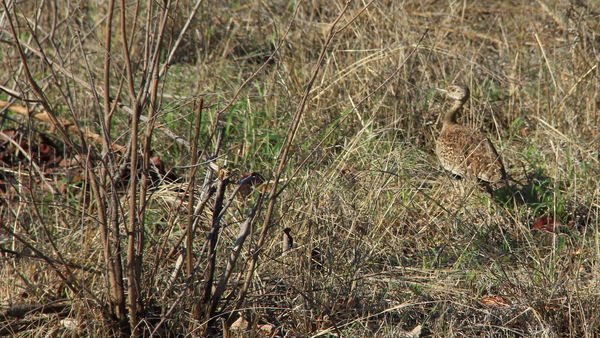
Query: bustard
463,151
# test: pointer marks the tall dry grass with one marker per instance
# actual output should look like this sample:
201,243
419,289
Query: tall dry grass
342,116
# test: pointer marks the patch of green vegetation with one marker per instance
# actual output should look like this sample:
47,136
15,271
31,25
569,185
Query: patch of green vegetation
493,92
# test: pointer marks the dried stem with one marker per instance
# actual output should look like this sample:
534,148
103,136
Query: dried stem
190,191
235,252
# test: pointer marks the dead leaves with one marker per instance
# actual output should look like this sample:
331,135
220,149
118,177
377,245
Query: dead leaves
242,326
546,223
254,181
493,301
26,155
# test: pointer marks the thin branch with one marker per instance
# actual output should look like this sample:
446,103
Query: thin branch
235,253
191,188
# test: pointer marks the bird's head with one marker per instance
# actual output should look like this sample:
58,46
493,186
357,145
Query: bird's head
458,92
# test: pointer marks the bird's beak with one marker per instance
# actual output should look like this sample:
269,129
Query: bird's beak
441,90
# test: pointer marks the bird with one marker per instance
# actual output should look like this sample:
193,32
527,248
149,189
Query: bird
463,151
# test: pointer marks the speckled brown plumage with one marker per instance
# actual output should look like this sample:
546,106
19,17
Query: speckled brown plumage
463,151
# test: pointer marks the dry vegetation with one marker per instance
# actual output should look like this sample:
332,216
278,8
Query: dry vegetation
334,104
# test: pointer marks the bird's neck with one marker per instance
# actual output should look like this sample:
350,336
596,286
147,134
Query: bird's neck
452,113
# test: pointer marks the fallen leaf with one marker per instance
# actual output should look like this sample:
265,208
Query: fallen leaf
545,223
288,241
70,323
246,188
416,332
348,173
240,324
266,329
552,304
495,301
347,303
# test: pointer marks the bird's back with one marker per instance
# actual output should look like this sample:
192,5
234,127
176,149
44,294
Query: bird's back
469,154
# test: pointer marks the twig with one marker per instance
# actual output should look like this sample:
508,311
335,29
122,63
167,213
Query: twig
212,252
235,252
190,190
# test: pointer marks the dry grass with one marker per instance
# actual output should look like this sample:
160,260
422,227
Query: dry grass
384,240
